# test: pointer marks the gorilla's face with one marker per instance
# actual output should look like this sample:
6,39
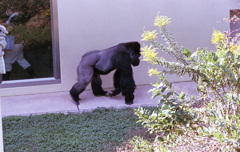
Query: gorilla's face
135,57
133,50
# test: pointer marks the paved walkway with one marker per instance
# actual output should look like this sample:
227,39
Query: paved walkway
62,102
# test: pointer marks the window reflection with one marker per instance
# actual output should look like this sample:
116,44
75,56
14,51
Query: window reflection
29,22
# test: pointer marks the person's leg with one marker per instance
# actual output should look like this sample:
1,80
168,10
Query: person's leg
23,62
9,58
31,72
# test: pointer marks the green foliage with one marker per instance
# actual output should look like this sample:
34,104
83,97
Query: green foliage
172,113
87,131
32,37
142,145
28,8
218,83
170,119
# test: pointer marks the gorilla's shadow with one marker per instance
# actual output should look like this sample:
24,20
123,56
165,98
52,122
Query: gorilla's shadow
143,98
89,101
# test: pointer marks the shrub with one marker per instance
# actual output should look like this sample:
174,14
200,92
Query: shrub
217,75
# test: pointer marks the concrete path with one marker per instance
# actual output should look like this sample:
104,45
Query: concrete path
62,102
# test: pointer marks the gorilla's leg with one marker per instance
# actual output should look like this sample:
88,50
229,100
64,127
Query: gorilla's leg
85,74
116,84
75,91
128,87
97,86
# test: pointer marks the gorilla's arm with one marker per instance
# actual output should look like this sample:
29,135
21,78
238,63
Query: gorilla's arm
127,83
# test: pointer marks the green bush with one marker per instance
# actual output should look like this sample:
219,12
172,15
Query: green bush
217,75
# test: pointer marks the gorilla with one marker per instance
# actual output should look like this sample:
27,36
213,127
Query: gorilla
101,62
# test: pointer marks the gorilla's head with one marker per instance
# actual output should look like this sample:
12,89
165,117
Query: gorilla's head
134,52
135,58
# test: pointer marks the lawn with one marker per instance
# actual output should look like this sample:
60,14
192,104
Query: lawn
100,130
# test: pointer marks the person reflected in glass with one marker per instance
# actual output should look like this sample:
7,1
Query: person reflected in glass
15,55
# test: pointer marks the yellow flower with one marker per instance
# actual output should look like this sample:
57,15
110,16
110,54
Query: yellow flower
235,49
217,37
153,72
149,53
149,35
231,48
47,12
161,21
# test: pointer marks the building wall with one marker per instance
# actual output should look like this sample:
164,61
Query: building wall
86,25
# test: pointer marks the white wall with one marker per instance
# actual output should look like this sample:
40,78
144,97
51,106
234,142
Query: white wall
86,25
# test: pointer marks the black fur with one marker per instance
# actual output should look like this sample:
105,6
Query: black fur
95,63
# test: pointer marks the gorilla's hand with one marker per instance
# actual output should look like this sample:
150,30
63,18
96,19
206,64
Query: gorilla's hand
129,99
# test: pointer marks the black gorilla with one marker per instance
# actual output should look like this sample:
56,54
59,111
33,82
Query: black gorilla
96,63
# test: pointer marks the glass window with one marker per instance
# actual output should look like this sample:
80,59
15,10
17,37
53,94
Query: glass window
34,57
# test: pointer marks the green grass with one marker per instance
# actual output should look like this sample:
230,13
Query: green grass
100,130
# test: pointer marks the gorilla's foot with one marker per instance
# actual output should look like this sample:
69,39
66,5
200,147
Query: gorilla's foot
75,91
75,97
77,103
105,94
99,94
114,92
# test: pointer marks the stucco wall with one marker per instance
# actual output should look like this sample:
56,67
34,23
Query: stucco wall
86,25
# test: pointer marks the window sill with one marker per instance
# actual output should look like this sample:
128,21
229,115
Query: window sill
29,82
